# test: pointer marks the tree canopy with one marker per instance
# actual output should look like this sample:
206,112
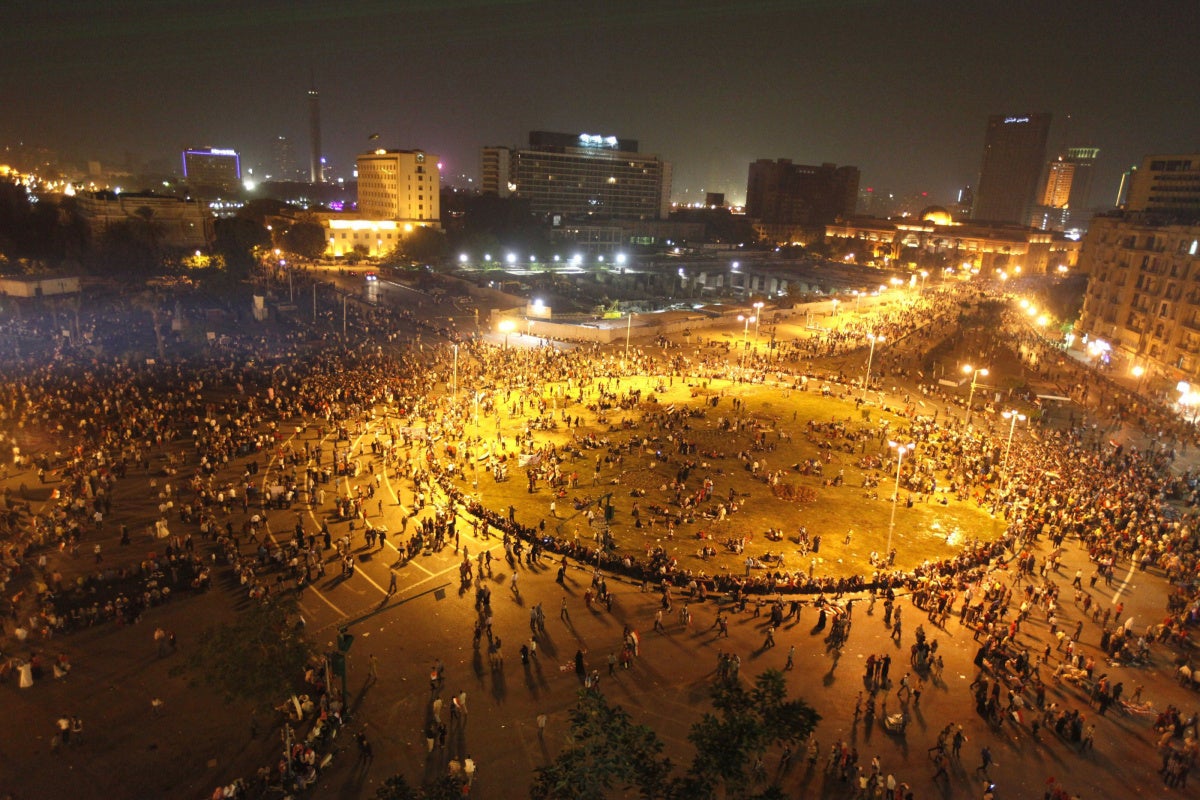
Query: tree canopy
259,657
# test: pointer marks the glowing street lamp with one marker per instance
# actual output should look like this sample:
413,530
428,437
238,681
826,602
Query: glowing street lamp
757,315
506,327
1138,372
870,357
900,449
1013,417
628,330
975,373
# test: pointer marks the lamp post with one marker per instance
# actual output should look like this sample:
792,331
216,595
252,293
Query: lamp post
1013,417
757,316
745,331
870,357
506,327
455,395
835,302
628,330
1138,372
900,449
924,275
975,373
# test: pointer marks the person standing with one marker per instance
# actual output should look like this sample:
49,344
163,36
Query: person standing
791,659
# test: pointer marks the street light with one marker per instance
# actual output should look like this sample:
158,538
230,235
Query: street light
900,449
746,329
835,302
1138,372
975,373
924,275
1013,417
628,329
757,315
506,327
870,356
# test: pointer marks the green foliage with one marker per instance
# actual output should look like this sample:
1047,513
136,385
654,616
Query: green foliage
397,787
235,238
425,244
257,658
605,750
748,721
305,239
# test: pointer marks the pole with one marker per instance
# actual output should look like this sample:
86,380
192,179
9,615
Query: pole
291,288
896,495
870,357
343,316
455,372
1012,426
628,330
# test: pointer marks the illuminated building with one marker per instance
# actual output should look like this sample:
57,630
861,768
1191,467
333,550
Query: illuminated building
932,237
402,185
1058,183
398,192
1014,153
1142,303
572,176
781,195
1064,195
212,167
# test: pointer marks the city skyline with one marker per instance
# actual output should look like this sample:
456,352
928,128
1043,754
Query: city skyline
903,94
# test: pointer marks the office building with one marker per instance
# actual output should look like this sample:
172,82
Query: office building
781,195
1166,185
284,157
1084,160
399,185
575,176
1014,154
212,167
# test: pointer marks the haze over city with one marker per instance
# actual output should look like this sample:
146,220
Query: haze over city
900,90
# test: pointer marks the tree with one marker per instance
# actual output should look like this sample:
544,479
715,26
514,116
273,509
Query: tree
604,750
425,244
236,238
305,239
397,787
258,658
748,721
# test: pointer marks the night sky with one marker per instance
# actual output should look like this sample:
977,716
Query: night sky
900,89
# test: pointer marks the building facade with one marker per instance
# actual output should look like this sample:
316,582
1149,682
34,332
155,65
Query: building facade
962,248
399,185
1142,305
1014,154
212,166
576,176
1167,185
177,222
780,193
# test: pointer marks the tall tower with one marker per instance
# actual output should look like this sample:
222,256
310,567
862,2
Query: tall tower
1014,154
316,166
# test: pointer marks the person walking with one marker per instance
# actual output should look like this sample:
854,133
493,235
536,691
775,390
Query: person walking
791,658
985,761
770,642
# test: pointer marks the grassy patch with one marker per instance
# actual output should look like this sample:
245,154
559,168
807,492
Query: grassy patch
778,420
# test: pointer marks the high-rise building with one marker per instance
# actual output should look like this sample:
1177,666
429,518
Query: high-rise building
316,163
284,158
1059,175
1084,159
1014,153
1168,185
212,167
580,175
782,193
402,185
